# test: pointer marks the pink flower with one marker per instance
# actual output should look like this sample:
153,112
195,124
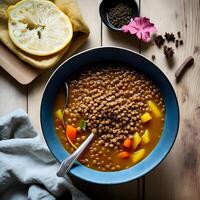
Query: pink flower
141,26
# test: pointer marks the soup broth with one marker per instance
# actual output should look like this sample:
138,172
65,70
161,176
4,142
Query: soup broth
123,108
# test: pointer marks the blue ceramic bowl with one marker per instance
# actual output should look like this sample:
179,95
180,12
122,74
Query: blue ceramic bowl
139,63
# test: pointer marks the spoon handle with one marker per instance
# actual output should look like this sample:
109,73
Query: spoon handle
69,161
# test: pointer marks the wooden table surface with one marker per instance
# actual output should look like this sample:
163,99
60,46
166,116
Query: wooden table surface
178,176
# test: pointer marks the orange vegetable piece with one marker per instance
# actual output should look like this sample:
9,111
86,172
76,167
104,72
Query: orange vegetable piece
71,132
124,154
128,143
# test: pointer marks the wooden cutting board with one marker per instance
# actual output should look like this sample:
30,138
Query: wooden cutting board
19,70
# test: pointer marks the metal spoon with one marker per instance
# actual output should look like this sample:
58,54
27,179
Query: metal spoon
69,161
66,102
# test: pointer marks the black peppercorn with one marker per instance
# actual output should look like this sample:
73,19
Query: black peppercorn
119,14
181,42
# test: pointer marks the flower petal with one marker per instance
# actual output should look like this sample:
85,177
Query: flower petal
137,21
146,36
125,28
139,35
152,29
132,23
149,27
144,22
131,29
141,26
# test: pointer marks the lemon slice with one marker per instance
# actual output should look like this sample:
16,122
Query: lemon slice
38,27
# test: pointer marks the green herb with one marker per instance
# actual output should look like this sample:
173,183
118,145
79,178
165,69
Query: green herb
83,124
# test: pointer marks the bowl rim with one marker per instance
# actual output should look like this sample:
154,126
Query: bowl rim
144,172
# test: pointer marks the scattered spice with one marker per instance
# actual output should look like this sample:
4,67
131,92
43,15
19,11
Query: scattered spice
181,42
179,34
185,65
170,37
141,26
176,44
153,57
159,40
168,51
165,47
120,13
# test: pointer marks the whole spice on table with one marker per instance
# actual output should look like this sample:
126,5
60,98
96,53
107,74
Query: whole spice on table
159,40
153,57
179,34
168,51
176,43
170,37
120,13
185,65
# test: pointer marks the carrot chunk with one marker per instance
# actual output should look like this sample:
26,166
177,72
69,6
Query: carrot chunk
127,143
124,154
71,132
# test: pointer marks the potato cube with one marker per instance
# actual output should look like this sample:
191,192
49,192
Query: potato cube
58,114
154,108
146,117
138,155
136,140
146,137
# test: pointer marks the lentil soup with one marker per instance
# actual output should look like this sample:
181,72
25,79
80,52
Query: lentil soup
123,108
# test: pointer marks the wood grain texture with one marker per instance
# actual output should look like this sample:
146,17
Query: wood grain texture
178,177
35,91
19,70
12,94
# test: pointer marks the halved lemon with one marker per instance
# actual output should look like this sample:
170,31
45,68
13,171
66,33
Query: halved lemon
39,27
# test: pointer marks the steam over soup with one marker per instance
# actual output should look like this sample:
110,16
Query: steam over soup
123,108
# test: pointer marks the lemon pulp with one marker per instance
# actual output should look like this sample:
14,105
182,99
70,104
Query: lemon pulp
38,27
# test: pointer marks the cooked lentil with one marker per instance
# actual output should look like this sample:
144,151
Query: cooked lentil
111,101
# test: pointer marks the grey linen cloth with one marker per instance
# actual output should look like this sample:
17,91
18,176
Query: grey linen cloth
27,168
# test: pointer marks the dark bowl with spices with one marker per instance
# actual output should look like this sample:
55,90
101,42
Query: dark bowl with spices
117,13
71,68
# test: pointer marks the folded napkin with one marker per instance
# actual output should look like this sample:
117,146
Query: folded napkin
27,168
80,29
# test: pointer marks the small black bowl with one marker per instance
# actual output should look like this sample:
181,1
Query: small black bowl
106,5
